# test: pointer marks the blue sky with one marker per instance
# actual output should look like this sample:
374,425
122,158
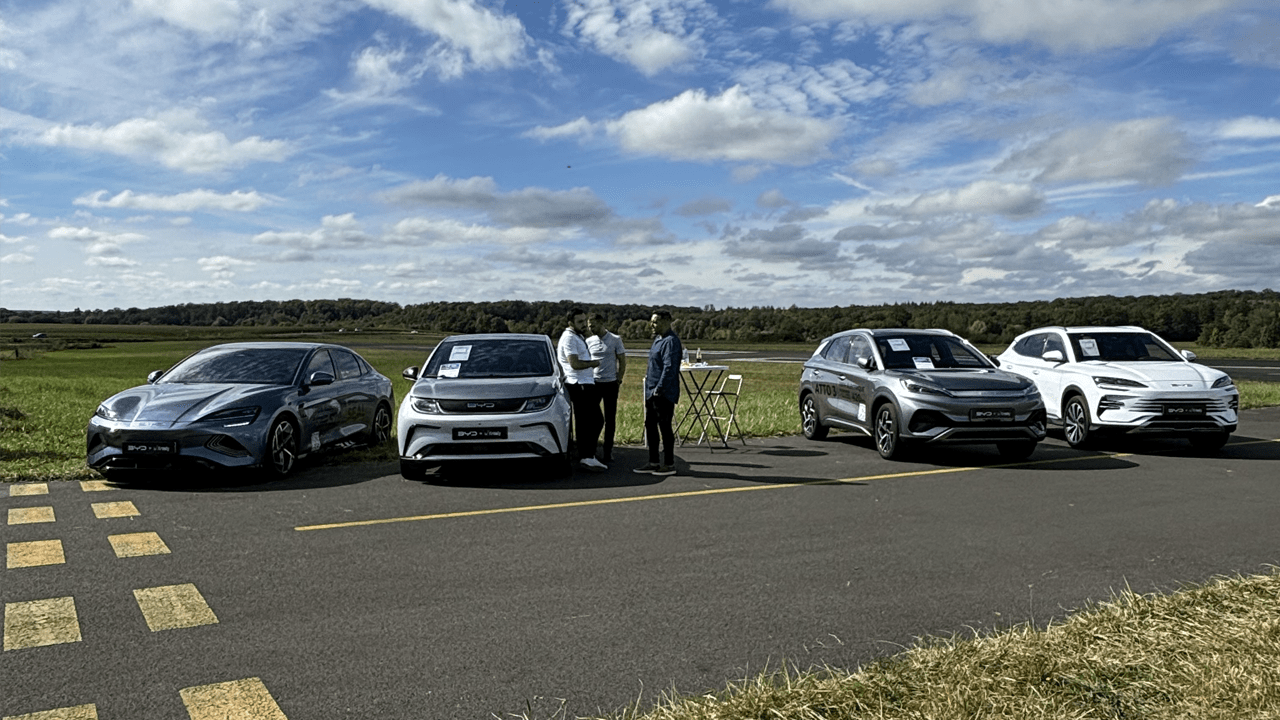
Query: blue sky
807,152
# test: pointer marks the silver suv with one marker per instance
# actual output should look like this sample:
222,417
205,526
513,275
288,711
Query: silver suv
905,387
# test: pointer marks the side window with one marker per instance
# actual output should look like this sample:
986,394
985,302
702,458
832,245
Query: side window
320,362
1030,346
859,347
1053,342
838,350
348,366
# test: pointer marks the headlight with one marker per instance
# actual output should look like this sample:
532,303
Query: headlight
534,404
1223,382
426,405
1117,382
1032,391
106,413
233,417
121,409
920,389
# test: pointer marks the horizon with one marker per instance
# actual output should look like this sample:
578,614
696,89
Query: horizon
813,153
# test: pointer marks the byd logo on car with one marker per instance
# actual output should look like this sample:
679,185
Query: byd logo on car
479,405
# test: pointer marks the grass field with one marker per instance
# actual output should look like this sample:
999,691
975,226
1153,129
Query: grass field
48,395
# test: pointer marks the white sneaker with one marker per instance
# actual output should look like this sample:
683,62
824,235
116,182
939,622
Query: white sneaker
593,465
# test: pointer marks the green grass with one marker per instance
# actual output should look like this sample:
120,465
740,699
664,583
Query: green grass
1207,651
47,398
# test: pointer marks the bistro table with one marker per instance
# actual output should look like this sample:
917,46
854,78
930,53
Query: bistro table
699,414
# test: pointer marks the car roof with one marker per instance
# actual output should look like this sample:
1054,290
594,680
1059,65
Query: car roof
1088,328
265,345
886,332
498,336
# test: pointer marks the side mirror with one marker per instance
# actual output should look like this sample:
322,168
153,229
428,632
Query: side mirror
410,373
320,378
1054,356
1188,355
153,376
866,363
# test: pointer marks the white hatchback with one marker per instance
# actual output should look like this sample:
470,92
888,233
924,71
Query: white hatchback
1097,380
485,397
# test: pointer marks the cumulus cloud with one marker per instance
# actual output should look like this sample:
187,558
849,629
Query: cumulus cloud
1083,25
335,232
1250,128
704,206
528,207
981,197
192,201
470,35
726,127
1152,151
785,243
173,141
651,35
15,259
96,242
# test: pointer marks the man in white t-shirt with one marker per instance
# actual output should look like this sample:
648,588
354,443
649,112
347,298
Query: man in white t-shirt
579,377
608,350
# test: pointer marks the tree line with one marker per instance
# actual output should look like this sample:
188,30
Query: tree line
1228,318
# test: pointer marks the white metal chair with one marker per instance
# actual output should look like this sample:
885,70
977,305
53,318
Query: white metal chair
724,408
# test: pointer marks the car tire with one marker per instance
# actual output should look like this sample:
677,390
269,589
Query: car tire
1016,449
282,448
885,432
1208,442
380,429
1076,421
810,424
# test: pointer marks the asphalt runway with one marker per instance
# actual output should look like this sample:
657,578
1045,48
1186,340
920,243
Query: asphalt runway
348,592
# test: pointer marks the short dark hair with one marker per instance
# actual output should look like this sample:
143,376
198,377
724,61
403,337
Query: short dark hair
663,314
597,315
574,312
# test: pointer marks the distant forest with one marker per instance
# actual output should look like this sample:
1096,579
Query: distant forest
1228,318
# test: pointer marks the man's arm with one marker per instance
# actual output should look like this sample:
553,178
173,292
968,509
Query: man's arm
579,364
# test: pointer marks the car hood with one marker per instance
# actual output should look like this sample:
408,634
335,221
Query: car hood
167,404
963,380
484,388
1156,374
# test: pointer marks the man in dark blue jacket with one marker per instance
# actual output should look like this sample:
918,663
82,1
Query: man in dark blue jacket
661,393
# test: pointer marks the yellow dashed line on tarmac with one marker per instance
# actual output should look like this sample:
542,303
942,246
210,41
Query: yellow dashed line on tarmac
36,623
28,515
94,485
138,544
21,489
120,509
170,607
237,700
33,554
79,712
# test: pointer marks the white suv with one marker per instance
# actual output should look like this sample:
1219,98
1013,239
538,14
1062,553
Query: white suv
1126,380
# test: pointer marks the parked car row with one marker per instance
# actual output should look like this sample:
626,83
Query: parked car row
501,396
930,387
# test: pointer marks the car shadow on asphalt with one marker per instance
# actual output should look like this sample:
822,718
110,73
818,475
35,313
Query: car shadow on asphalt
309,476
526,475
1047,456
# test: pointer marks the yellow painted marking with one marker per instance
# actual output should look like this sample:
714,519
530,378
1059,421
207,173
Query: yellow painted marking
123,508
169,607
79,712
138,544
36,623
236,700
94,485
28,489
28,515
31,554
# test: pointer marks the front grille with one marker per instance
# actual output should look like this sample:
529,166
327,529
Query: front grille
991,394
1157,404
471,407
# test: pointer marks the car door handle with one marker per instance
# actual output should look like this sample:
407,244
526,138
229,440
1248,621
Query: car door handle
843,377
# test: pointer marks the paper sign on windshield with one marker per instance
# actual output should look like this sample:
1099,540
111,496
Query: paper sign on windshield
923,363
460,353
450,370
1089,347
899,345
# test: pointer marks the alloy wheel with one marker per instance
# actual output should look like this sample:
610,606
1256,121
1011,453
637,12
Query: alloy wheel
283,444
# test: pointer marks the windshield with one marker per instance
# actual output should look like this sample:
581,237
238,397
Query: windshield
465,358
264,366
928,352
1121,347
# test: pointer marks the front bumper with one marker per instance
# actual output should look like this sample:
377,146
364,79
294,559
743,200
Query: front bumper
1171,415
934,422
125,446
431,439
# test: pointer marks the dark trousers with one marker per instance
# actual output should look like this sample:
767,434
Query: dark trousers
658,413
586,417
609,396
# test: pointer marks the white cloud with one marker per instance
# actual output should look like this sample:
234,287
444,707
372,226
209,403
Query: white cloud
581,127
1152,151
651,35
727,127
803,89
96,242
470,35
529,207
1063,25
335,232
207,17
980,197
1272,201
15,259
112,261
194,200
785,243
1250,128
172,141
